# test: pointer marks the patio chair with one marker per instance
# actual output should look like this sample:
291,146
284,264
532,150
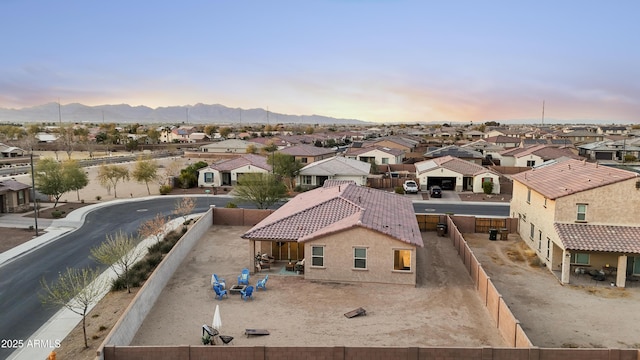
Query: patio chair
247,293
220,292
267,258
262,284
243,278
216,280
299,267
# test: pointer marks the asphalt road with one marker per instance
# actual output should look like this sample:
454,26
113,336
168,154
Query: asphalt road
22,312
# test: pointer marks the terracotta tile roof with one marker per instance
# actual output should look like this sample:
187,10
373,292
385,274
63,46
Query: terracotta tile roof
584,237
327,210
306,150
248,159
569,177
12,185
337,165
460,166
366,149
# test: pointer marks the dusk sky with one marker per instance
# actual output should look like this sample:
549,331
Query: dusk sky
386,61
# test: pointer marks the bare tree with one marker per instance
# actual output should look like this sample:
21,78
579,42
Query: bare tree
154,227
76,290
184,207
110,175
120,253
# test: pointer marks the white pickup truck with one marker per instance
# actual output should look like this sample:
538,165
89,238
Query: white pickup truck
410,187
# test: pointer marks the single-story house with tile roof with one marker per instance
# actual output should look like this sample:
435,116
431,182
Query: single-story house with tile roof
452,173
335,168
227,172
534,155
467,154
376,154
345,233
14,196
307,154
580,215
229,146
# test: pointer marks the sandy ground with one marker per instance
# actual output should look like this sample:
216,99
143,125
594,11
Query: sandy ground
588,314
442,310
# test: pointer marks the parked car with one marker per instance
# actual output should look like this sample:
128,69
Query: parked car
410,187
435,192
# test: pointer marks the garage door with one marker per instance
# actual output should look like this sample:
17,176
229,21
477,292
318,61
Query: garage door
604,156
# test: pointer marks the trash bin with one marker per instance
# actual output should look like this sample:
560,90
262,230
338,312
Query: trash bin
493,234
442,229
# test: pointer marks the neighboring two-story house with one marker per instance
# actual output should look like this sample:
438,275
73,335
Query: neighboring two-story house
580,216
376,154
307,154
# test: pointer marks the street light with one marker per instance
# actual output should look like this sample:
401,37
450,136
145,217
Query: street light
33,192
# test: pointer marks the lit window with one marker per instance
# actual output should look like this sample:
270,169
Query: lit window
402,260
582,212
360,258
317,256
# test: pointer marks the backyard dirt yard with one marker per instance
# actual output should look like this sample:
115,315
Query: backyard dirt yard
589,314
443,310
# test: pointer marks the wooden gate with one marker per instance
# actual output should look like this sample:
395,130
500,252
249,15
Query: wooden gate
484,224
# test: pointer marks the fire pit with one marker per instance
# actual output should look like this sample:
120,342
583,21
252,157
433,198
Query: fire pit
235,289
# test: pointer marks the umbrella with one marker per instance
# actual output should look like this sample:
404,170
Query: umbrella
217,320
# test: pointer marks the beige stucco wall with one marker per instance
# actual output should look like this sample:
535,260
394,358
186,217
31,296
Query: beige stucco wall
615,204
477,183
245,169
338,258
217,179
522,161
381,154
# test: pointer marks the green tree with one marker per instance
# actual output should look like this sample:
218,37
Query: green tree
153,135
263,190
225,131
286,167
119,252
189,175
487,187
74,176
76,290
251,149
146,170
50,179
110,175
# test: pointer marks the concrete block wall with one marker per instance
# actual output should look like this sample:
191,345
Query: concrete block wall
126,327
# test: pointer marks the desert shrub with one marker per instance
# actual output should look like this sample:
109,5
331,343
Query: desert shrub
630,158
155,248
231,205
56,214
487,187
98,197
165,189
102,328
153,260
398,190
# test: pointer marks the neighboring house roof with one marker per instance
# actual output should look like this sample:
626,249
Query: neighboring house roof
364,150
569,177
455,151
545,152
500,139
231,144
12,185
337,166
248,159
581,133
585,237
306,150
331,209
464,167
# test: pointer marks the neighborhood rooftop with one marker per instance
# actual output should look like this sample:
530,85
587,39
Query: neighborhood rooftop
570,177
332,209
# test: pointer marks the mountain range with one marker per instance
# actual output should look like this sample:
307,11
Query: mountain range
195,114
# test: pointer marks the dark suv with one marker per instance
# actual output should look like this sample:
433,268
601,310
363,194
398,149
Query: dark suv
435,192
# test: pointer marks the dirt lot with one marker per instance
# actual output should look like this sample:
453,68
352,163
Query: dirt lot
442,310
591,314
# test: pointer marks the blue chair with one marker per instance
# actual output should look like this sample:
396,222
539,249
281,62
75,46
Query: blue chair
262,284
220,292
247,293
216,280
243,278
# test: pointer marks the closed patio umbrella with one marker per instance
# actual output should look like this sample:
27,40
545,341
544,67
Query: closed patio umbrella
217,320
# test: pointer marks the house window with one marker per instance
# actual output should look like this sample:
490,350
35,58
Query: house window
582,212
385,160
579,259
360,258
487,179
548,248
532,232
21,197
317,256
539,240
208,177
528,196
303,160
306,179
531,163
402,260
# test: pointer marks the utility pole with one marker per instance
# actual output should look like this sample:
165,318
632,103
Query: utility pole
33,192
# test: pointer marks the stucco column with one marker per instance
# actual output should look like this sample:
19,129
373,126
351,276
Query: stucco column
566,266
621,275
252,257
